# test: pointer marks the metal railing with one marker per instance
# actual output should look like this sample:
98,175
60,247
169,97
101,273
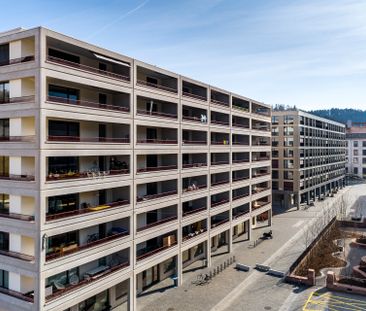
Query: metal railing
154,251
157,168
222,201
20,99
246,126
157,86
220,122
87,174
156,113
85,103
219,102
195,96
237,197
14,177
157,223
88,139
220,182
23,139
194,142
240,178
18,60
158,141
220,162
7,214
240,160
196,210
240,213
17,255
219,223
109,74
189,165
16,294
155,196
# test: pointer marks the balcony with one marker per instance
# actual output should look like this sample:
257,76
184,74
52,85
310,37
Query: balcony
240,157
156,135
194,91
76,204
218,118
194,183
240,210
4,213
191,160
17,100
18,60
240,122
259,172
154,163
260,203
27,297
194,137
192,230
220,159
220,138
15,177
261,141
261,126
220,179
156,80
17,255
241,104
260,187
220,98
69,281
156,245
220,199
156,190
194,114
261,110
156,108
68,55
65,168
18,139
156,218
66,131
240,175
240,140
75,241
240,193
260,156
220,219
194,206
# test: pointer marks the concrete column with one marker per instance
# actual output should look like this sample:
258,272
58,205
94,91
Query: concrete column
298,199
208,252
179,268
15,282
15,49
15,204
15,242
132,294
308,197
15,88
15,165
230,239
270,217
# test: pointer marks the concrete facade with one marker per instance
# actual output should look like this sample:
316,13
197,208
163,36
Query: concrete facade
116,174
308,157
356,149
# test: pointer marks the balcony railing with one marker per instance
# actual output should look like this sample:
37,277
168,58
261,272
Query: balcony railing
157,168
194,234
193,211
109,74
257,205
85,103
242,143
256,175
155,251
219,223
254,159
155,196
220,122
194,142
220,162
220,142
219,102
195,187
189,165
157,223
17,255
195,96
88,174
157,113
240,213
5,214
15,294
220,182
89,139
261,143
246,126
86,210
17,60
158,141
195,119
260,189
240,160
20,99
157,86
61,253
14,177
87,280
237,197
25,139
239,178
222,201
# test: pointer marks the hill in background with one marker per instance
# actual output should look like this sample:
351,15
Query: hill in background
342,115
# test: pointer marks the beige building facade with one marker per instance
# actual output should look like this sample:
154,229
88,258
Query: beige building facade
116,174
356,149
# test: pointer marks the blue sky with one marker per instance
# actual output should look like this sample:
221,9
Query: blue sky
308,53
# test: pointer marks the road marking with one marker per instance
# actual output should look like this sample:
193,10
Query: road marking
298,224
287,304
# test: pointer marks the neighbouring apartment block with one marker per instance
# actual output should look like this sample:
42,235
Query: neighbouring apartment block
308,157
116,174
356,149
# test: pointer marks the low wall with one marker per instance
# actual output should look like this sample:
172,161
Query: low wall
332,284
308,280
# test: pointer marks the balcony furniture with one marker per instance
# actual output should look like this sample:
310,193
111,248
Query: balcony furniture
68,248
49,290
94,272
117,230
169,241
98,208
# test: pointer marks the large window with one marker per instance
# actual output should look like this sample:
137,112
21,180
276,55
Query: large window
4,241
62,165
4,92
99,302
63,203
64,55
4,166
61,128
4,202
4,127
4,54
4,279
63,92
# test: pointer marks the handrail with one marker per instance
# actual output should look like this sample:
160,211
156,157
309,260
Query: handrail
241,213
196,210
87,174
193,118
84,210
55,255
188,165
87,68
199,97
214,225
219,102
157,223
240,178
157,141
17,177
157,113
240,196
240,160
16,294
194,142
220,122
240,125
198,187
157,168
18,60
85,103
260,174
19,99
6,214
17,255
220,162
157,86
221,182
243,143
240,108
25,138
222,201
258,190
261,159
155,196
153,252
220,142
88,139
193,234
85,281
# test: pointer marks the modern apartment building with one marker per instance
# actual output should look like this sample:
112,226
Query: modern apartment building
308,157
356,149
116,174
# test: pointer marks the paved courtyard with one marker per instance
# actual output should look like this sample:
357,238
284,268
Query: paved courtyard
234,290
